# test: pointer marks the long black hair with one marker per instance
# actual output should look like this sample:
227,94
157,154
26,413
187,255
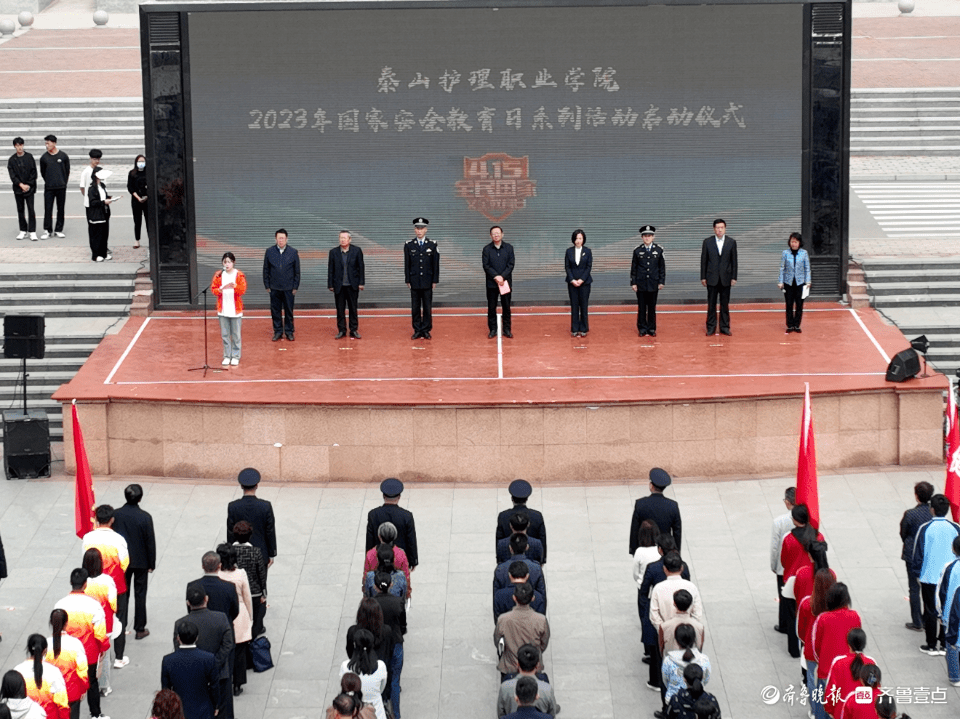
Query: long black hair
693,676
13,686
36,648
857,641
364,657
58,622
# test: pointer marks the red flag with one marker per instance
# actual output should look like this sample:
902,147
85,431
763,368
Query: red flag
952,486
84,501
807,492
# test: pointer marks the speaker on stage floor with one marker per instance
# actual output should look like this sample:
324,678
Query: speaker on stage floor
26,444
903,366
23,336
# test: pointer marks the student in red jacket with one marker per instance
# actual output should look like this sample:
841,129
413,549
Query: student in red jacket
830,631
844,675
794,554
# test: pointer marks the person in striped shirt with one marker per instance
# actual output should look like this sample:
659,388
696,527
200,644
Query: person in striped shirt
86,622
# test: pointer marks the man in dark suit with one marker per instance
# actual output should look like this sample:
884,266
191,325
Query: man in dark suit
662,510
221,594
214,635
648,273
192,673
518,553
718,273
136,526
520,491
421,270
498,261
345,279
281,278
402,519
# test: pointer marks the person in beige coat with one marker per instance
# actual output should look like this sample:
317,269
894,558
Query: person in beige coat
243,624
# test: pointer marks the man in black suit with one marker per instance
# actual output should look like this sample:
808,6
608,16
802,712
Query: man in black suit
221,594
718,273
498,261
281,278
345,279
136,526
421,270
662,510
215,635
391,511
520,490
192,673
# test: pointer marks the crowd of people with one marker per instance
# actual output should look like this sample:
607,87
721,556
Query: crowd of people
54,170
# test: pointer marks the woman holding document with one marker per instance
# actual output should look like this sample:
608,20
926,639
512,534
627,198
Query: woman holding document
794,280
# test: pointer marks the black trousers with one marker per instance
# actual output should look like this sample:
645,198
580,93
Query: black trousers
25,212
225,707
259,612
783,618
789,606
74,709
579,301
647,311
421,309
139,210
346,299
99,234
51,195
137,585
281,303
714,293
793,294
492,294
929,594
93,693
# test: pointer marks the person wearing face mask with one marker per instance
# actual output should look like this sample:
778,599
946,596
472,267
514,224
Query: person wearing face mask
229,284
137,187
98,202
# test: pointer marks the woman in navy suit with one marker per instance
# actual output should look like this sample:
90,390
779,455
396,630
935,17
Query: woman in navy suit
794,274
578,262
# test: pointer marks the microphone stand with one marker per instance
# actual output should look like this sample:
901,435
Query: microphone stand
206,352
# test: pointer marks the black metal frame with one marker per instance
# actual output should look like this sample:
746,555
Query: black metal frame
825,157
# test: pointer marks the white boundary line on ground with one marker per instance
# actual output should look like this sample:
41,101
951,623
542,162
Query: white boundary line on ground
499,346
127,351
886,357
517,379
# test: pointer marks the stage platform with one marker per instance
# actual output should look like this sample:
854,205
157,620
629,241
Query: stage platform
463,407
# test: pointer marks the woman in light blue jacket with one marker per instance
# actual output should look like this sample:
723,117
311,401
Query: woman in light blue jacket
794,274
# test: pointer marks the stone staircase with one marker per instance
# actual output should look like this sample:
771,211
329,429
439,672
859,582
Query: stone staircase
922,297
79,305
114,125
905,122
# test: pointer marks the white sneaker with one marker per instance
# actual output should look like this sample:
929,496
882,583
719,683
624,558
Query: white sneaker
108,257
226,361
102,716
99,259
59,234
106,691
235,361
45,235
33,236
22,236
121,662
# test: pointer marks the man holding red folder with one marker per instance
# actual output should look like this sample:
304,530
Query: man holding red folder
498,264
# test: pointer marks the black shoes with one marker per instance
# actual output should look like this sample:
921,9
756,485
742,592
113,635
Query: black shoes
508,334
493,333
355,334
290,337
340,335
415,336
652,333
426,336
913,627
728,333
277,337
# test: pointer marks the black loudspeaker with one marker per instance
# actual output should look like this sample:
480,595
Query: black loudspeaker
23,336
905,365
26,444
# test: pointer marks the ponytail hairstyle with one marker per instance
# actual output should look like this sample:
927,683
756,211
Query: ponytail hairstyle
346,705
364,658
686,637
857,641
870,675
818,554
36,648
385,558
350,684
693,676
58,622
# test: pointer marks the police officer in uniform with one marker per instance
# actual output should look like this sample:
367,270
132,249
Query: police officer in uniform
647,277
520,490
421,268
662,510
402,519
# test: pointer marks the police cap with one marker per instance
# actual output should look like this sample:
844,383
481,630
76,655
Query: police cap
391,487
520,488
659,477
248,477
421,222
648,230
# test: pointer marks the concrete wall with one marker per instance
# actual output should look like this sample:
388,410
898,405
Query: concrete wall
541,443
15,7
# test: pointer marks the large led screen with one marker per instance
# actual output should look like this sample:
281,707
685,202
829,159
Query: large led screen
542,120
